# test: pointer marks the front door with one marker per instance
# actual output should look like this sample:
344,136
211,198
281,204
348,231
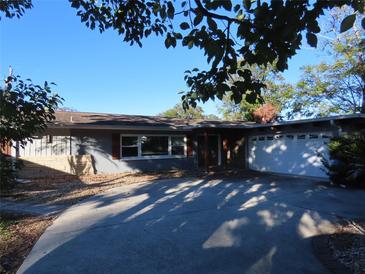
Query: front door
212,156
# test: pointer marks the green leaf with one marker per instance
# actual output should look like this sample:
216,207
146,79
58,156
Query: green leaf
227,5
198,19
170,10
184,26
312,39
178,35
168,42
348,22
163,12
247,4
75,4
212,24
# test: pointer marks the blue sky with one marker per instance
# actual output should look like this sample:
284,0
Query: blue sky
99,72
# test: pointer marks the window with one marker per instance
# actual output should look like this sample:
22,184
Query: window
154,145
313,136
301,136
291,137
177,145
262,138
129,146
269,138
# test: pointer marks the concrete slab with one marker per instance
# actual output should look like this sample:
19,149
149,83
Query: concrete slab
261,224
29,208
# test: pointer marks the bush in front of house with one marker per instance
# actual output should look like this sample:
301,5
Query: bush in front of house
346,164
8,168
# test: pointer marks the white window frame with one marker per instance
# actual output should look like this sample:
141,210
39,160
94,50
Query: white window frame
140,157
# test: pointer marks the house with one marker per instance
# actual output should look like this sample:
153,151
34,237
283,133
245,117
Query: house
84,143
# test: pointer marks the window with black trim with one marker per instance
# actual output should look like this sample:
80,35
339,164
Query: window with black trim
154,145
177,145
129,146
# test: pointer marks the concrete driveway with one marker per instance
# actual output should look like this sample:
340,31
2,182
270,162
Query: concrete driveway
258,224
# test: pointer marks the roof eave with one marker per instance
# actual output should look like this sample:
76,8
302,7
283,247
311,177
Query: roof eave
97,127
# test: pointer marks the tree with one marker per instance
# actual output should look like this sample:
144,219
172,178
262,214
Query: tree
266,113
67,109
346,163
211,117
25,110
338,86
257,32
276,93
179,112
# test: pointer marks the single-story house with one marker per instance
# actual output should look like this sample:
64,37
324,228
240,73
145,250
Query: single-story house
80,143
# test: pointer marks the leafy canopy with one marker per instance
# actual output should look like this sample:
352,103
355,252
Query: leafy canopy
276,93
336,86
258,32
192,113
25,109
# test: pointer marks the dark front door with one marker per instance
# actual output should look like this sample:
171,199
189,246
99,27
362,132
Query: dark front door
211,155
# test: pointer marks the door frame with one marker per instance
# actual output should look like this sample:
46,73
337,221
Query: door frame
219,146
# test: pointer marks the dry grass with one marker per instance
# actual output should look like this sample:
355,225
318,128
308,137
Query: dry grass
68,190
18,234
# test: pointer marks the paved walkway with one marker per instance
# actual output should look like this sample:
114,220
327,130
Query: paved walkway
263,224
28,208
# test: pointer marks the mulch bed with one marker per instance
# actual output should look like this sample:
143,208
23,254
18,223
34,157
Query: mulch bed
18,234
343,252
68,190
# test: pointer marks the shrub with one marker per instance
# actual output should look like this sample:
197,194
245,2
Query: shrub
8,168
346,164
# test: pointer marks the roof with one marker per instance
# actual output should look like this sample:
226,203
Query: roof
92,120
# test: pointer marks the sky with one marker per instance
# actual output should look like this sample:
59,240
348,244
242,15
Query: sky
99,72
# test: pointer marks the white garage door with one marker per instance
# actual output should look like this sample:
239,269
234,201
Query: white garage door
297,154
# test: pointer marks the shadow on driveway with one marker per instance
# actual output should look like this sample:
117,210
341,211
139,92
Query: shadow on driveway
260,224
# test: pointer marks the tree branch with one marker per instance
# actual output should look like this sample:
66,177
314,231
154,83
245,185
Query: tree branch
207,13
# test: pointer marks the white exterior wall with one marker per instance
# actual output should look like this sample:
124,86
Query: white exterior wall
288,156
39,147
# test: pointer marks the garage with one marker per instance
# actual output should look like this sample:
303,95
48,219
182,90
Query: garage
292,153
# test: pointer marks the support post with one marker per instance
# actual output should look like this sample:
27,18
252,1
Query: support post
206,151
